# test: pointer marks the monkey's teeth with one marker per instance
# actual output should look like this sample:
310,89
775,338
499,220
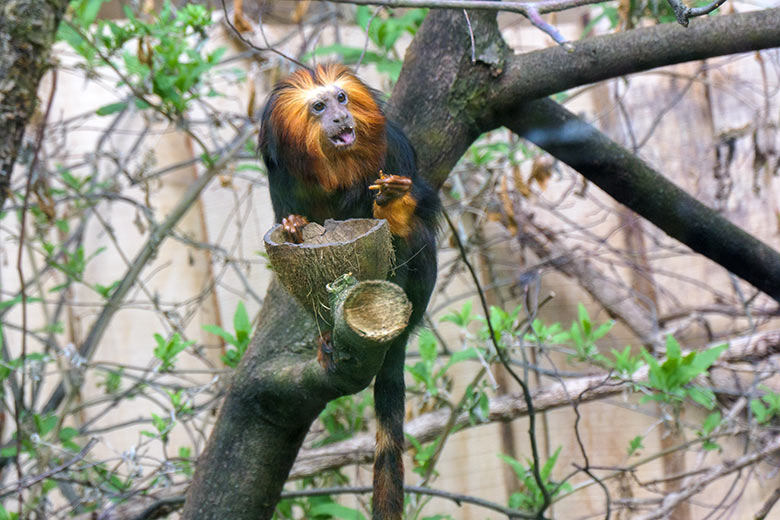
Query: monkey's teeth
344,138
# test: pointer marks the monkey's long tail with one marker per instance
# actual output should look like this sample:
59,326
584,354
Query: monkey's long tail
388,501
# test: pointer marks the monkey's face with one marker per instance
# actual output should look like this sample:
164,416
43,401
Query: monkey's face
330,107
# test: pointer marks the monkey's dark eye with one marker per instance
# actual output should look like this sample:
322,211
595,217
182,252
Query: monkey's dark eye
342,98
318,106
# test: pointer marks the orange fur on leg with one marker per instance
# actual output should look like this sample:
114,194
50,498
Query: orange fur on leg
398,213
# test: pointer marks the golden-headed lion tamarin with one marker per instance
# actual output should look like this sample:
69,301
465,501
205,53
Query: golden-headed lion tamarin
325,141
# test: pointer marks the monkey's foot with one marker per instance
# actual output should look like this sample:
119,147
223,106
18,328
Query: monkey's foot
293,225
390,188
325,352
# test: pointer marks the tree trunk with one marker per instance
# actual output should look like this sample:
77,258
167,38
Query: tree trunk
27,31
279,389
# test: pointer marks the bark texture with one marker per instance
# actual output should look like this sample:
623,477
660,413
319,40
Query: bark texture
279,389
27,31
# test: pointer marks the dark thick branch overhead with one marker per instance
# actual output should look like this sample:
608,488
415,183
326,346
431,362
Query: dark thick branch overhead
444,101
631,181
551,70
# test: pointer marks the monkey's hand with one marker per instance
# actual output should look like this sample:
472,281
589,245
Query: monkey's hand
293,225
390,188
394,202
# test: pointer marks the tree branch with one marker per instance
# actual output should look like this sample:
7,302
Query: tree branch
443,111
619,301
630,181
148,252
672,500
279,388
551,70
444,100
542,7
494,92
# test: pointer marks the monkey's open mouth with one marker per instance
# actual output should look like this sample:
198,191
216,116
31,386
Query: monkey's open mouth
344,137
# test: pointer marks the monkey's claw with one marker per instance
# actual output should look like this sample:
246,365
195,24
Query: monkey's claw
293,225
390,188
325,352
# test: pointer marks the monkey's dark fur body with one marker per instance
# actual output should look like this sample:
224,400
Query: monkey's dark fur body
312,174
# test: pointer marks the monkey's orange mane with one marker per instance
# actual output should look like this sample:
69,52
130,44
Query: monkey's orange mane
301,134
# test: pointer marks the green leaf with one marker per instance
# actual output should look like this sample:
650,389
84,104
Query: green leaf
703,396
603,329
46,425
16,299
336,511
710,423
219,331
167,350
672,348
113,108
463,355
4,514
87,11
705,358
106,290
8,451
427,345
547,468
759,410
582,314
241,319
461,318
68,433
635,444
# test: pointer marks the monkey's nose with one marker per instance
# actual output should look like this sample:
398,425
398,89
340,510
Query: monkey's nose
341,118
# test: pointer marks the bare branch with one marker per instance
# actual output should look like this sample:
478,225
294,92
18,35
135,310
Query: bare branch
672,500
523,8
29,482
685,13
150,248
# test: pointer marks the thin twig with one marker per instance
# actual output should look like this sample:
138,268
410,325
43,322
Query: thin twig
26,483
531,10
367,39
502,357
543,7
458,498
254,47
19,405
672,500
587,467
768,505
168,505
471,36
683,13
150,248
